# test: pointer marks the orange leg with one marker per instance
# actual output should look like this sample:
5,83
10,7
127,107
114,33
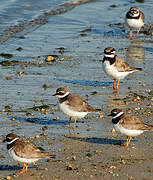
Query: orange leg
118,82
138,30
69,122
128,140
74,125
130,34
114,85
24,169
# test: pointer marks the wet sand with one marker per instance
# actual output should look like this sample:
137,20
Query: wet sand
92,151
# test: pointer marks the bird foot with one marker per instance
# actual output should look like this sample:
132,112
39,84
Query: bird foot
21,172
125,146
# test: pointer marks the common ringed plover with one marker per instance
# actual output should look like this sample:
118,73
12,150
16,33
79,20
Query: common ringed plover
73,105
23,151
129,125
134,19
115,67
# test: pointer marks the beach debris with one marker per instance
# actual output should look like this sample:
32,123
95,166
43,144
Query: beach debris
113,131
51,58
113,5
69,167
61,50
101,116
8,108
9,78
6,55
19,49
37,136
13,119
46,86
74,158
36,100
8,177
9,63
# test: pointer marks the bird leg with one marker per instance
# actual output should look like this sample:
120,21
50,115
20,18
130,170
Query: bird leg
130,34
128,139
74,124
24,169
138,30
68,126
118,82
114,85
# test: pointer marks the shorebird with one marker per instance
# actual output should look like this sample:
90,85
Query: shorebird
22,150
134,19
128,125
73,105
115,67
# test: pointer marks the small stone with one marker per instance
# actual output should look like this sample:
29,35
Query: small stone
9,78
62,59
130,178
19,49
37,136
13,119
8,177
45,133
113,131
69,167
101,116
50,58
36,100
135,100
74,158
20,73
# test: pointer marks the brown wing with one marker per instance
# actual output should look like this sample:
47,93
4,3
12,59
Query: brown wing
79,104
142,16
132,122
25,149
122,66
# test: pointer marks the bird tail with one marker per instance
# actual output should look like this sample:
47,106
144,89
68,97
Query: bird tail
137,69
49,156
148,127
97,111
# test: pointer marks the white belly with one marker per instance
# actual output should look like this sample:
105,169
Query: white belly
112,72
65,108
20,159
134,23
127,132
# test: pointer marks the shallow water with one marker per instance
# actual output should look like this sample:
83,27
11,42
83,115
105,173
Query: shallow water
81,70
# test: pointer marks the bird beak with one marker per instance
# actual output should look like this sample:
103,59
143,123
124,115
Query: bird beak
54,94
115,54
109,115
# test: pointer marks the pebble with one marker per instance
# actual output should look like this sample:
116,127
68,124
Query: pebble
113,131
50,58
37,136
8,177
